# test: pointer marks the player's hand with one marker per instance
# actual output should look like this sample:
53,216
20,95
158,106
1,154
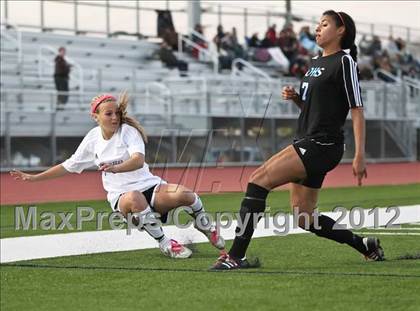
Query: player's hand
18,175
108,168
359,169
289,92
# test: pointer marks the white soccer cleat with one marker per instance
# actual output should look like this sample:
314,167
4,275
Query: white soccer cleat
214,237
175,250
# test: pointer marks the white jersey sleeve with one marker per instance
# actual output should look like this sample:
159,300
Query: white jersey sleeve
84,157
132,138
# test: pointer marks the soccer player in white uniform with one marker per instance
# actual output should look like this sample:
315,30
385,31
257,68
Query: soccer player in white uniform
117,147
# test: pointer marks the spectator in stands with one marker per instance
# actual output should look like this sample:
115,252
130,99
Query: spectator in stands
170,36
199,29
383,62
234,37
266,42
218,37
364,45
168,57
289,43
61,77
299,66
254,42
392,47
307,39
375,47
271,35
231,46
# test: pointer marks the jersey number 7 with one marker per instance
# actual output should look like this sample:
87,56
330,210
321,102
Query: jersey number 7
305,86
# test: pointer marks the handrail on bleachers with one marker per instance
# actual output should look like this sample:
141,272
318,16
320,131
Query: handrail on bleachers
237,71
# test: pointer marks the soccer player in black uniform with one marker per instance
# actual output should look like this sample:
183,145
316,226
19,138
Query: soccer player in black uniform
329,89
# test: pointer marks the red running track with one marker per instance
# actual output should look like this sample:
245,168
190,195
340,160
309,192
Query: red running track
88,185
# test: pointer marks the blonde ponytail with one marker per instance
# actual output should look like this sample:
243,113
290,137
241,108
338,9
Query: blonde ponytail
122,108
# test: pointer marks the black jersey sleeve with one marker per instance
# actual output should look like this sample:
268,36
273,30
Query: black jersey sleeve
350,82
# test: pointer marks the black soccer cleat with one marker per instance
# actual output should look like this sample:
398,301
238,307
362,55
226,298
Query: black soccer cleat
374,250
227,263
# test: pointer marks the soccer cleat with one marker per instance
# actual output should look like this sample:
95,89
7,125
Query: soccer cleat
175,250
374,250
227,263
214,237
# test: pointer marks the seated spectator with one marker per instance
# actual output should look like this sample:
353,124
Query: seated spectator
230,45
383,62
391,47
375,47
400,44
364,45
254,42
299,66
266,42
307,40
167,57
199,29
288,43
271,35
365,64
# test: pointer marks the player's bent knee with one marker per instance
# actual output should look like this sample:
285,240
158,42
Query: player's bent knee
134,202
189,198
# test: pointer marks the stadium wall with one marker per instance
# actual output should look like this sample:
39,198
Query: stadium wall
88,186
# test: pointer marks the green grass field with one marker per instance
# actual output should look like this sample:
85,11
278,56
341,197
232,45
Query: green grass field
299,271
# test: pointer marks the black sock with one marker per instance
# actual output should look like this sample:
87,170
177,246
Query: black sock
341,236
253,203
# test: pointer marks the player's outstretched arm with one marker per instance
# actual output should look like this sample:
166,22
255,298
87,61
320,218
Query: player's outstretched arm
289,93
53,172
359,164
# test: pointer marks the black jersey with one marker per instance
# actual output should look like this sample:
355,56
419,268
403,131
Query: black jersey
328,90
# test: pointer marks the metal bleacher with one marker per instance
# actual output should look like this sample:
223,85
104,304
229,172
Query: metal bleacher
160,98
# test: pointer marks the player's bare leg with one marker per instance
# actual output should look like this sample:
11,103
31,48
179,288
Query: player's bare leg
170,196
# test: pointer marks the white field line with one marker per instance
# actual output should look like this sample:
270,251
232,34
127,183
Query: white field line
387,233
91,242
396,229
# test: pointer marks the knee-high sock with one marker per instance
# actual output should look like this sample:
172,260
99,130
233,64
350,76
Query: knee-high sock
326,230
199,214
251,206
151,226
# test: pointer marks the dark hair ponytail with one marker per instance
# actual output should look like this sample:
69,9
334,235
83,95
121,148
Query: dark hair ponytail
353,52
347,41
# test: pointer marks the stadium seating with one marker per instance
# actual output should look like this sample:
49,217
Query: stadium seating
161,99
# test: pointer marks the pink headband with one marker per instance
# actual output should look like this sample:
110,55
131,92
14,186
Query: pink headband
100,100
342,20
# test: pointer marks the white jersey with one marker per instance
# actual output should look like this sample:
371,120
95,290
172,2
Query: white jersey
95,150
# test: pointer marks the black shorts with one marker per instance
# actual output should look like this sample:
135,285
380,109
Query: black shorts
319,157
148,194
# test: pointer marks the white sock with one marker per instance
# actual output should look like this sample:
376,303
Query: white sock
200,214
197,206
150,225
